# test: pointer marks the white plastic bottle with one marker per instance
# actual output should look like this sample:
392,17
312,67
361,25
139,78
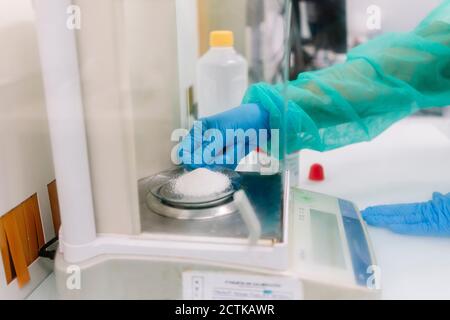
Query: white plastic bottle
222,76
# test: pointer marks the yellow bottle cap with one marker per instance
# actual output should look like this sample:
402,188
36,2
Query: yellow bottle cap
221,38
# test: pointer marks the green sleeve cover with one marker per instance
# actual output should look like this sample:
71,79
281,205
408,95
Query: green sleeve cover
382,81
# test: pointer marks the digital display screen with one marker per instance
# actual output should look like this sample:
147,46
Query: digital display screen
326,239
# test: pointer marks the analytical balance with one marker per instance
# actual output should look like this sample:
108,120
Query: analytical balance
116,89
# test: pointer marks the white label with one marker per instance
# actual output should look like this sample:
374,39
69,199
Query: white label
237,286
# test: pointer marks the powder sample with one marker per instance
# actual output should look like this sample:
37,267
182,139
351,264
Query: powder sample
201,182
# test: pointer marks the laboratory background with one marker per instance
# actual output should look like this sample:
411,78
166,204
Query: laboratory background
97,96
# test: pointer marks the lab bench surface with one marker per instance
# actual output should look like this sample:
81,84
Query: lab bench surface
404,164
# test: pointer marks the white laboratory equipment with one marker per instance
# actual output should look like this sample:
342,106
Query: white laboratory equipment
222,75
114,91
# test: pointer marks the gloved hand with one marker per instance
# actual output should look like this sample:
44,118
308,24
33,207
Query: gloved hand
207,144
428,218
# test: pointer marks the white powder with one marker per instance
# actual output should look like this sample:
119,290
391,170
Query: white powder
201,182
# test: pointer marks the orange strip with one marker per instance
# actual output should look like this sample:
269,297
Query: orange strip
33,248
37,221
54,204
19,214
5,254
16,248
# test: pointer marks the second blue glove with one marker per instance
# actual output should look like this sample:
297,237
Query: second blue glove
431,218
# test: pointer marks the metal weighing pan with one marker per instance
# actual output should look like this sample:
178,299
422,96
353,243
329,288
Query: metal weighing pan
162,199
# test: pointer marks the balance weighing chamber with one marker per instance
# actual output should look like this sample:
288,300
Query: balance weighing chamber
117,86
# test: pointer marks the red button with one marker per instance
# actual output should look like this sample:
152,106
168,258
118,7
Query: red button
316,172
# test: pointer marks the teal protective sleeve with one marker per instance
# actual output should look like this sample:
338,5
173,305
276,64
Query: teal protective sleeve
382,81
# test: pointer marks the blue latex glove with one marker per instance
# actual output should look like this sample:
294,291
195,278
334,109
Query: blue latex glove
200,148
428,218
